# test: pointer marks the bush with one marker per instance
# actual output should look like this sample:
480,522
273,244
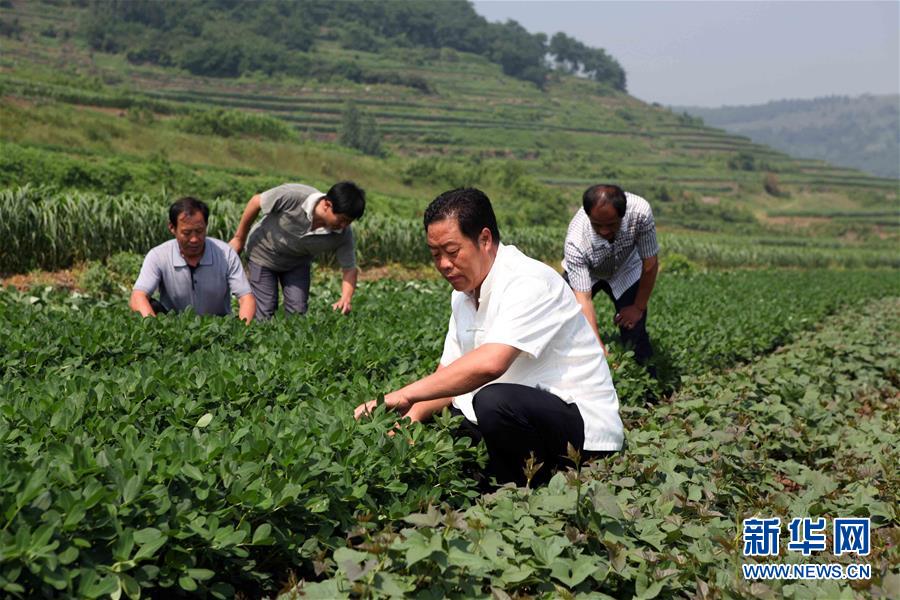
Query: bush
354,36
359,131
227,123
674,263
11,29
772,187
742,161
113,279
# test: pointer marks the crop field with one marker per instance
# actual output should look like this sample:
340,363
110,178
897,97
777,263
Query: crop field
202,456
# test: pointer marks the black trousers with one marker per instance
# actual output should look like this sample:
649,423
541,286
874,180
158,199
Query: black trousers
158,307
516,420
636,338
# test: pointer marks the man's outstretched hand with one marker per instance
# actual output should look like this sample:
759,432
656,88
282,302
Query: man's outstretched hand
343,306
628,317
365,408
393,401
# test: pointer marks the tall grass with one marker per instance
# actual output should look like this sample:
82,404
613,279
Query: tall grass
43,228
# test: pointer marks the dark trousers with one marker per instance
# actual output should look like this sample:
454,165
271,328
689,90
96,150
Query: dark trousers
158,307
516,420
294,285
635,338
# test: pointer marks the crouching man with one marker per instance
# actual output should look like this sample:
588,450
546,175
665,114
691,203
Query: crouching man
520,362
192,270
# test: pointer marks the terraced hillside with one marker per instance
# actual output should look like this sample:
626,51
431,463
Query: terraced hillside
454,107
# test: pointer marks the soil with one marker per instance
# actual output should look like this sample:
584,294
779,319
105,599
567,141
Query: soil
67,279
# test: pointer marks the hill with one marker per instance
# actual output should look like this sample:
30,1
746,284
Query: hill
110,115
862,132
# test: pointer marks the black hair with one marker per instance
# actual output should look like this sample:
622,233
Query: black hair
471,208
347,198
188,206
604,193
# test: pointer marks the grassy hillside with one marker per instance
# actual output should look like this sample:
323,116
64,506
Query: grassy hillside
533,148
861,133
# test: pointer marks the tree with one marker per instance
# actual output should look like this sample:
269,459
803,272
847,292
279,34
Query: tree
359,131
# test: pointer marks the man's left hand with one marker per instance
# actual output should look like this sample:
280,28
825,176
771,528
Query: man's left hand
342,305
628,317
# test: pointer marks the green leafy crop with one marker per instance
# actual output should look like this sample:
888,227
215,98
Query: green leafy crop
204,457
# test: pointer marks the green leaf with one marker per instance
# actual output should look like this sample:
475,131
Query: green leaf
93,585
546,550
420,547
148,535
151,540
74,516
201,574
132,487
573,572
393,585
607,504
203,421
130,586
470,561
32,487
187,583
68,555
516,573
192,471
263,535
317,505
431,518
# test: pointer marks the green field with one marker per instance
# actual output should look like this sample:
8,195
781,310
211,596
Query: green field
205,456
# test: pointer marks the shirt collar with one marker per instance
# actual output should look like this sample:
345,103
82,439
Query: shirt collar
488,284
178,259
309,205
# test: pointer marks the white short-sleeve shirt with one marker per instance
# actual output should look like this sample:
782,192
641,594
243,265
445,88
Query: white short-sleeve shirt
527,305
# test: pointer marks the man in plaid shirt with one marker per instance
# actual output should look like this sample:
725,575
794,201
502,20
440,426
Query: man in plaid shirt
611,246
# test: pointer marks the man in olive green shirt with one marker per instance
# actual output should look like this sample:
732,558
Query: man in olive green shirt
298,223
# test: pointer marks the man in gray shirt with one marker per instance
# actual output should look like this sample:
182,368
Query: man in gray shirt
192,270
299,222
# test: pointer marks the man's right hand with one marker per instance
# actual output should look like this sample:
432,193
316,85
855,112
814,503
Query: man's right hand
236,244
365,408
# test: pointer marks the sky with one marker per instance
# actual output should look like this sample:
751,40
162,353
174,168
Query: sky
717,53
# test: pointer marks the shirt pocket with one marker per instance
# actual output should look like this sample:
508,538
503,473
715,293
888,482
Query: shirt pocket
470,338
478,334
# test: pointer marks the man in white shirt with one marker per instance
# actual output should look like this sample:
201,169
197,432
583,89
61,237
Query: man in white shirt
519,362
611,246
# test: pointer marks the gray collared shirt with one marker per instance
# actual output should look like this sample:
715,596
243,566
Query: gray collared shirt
284,237
589,258
207,287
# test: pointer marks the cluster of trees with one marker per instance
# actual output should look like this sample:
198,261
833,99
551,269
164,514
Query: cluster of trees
227,38
572,56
